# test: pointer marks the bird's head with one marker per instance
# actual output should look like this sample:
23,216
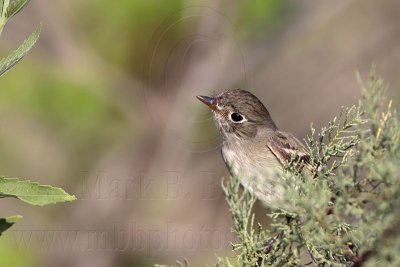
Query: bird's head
238,113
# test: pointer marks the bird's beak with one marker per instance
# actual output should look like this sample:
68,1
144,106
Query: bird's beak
211,102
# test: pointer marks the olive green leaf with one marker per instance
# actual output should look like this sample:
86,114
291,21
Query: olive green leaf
32,192
7,222
10,9
15,7
7,63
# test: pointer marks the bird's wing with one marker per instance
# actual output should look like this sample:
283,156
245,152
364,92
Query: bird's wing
286,147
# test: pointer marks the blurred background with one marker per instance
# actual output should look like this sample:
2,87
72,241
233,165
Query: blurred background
104,106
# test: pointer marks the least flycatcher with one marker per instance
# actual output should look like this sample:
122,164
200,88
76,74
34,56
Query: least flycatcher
253,148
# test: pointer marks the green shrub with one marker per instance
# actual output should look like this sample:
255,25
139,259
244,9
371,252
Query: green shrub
346,210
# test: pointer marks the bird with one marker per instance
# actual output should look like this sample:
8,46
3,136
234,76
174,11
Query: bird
253,148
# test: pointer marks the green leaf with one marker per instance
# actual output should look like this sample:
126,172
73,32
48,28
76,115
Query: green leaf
3,19
6,223
32,192
4,6
7,63
15,7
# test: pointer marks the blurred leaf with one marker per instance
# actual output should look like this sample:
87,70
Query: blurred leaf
6,223
15,7
32,192
7,63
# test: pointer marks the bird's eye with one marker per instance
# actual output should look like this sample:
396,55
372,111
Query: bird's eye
236,117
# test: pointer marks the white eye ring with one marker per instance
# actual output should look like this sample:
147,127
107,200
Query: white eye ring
236,117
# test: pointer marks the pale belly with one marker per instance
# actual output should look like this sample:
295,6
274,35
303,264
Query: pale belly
260,173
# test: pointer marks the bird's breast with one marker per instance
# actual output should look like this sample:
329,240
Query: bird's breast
257,169
248,160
